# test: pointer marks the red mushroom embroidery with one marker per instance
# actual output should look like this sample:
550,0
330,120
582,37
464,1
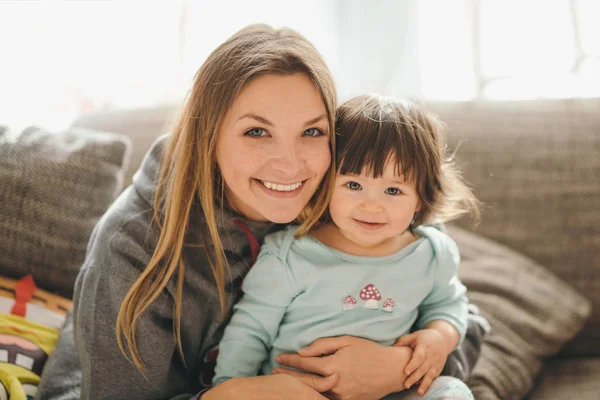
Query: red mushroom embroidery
371,295
349,303
388,304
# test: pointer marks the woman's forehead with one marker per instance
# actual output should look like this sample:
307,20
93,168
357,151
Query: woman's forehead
276,97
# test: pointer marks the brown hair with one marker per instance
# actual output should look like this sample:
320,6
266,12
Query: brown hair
189,173
372,130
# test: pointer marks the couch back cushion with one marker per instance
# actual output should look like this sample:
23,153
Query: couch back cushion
142,125
536,167
53,189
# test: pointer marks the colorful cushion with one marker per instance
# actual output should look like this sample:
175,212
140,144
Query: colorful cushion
30,320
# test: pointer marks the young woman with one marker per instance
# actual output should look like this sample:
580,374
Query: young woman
250,152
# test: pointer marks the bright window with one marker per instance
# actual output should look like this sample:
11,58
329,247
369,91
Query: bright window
64,57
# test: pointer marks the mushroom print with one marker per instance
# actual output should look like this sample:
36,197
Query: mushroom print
388,304
349,303
371,295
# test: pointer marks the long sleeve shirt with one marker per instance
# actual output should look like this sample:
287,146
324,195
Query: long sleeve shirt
301,290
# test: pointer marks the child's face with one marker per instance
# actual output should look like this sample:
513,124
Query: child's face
372,211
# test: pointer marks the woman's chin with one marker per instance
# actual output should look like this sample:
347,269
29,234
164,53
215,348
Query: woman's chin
279,217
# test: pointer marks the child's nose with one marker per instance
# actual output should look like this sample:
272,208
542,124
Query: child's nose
370,206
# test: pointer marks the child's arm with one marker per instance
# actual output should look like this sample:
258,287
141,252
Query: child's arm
247,340
447,302
449,333
442,321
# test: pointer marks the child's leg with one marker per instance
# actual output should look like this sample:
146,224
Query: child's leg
442,388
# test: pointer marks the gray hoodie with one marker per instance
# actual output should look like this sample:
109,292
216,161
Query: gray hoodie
120,247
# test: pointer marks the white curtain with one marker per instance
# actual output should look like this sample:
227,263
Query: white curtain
378,48
60,58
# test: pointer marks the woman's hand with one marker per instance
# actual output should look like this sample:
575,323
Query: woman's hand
366,369
428,358
273,387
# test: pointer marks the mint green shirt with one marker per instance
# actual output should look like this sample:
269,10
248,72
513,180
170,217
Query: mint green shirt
301,290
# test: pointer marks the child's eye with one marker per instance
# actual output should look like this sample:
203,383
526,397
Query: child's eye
256,132
393,191
353,185
313,132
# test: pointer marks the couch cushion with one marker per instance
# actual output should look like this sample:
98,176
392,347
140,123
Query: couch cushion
532,314
575,378
141,125
53,189
535,165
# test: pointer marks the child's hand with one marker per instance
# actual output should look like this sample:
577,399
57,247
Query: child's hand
428,359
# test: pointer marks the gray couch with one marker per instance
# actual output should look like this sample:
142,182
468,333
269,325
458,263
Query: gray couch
532,266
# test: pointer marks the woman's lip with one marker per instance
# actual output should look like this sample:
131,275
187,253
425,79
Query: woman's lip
278,194
369,226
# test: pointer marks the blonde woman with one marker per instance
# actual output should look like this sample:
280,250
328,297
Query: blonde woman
250,152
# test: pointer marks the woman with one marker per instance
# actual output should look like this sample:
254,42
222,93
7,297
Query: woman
250,151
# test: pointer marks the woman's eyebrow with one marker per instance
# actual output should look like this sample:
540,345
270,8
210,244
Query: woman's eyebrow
265,121
258,118
315,120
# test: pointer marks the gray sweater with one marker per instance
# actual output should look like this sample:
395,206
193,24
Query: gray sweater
87,362
120,247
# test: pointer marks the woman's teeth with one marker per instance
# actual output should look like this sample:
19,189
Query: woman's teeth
281,188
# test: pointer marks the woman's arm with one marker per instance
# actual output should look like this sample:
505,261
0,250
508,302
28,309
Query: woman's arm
379,372
272,387
61,378
116,256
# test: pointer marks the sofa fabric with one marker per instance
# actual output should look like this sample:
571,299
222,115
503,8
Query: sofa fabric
532,312
535,165
575,378
53,189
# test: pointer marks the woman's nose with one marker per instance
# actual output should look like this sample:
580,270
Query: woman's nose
289,160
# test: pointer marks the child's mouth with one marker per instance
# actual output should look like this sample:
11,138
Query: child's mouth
371,226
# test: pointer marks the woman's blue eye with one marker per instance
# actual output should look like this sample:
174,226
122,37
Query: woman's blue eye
256,132
353,185
312,132
393,191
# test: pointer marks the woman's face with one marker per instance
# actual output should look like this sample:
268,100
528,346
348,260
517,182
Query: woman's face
273,147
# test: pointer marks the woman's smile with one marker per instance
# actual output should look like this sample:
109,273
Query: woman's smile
280,190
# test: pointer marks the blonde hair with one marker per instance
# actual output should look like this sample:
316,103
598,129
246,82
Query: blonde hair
189,173
371,130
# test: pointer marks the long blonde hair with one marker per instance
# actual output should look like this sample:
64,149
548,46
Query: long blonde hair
189,173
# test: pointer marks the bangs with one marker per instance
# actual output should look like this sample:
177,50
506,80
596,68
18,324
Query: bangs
371,135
